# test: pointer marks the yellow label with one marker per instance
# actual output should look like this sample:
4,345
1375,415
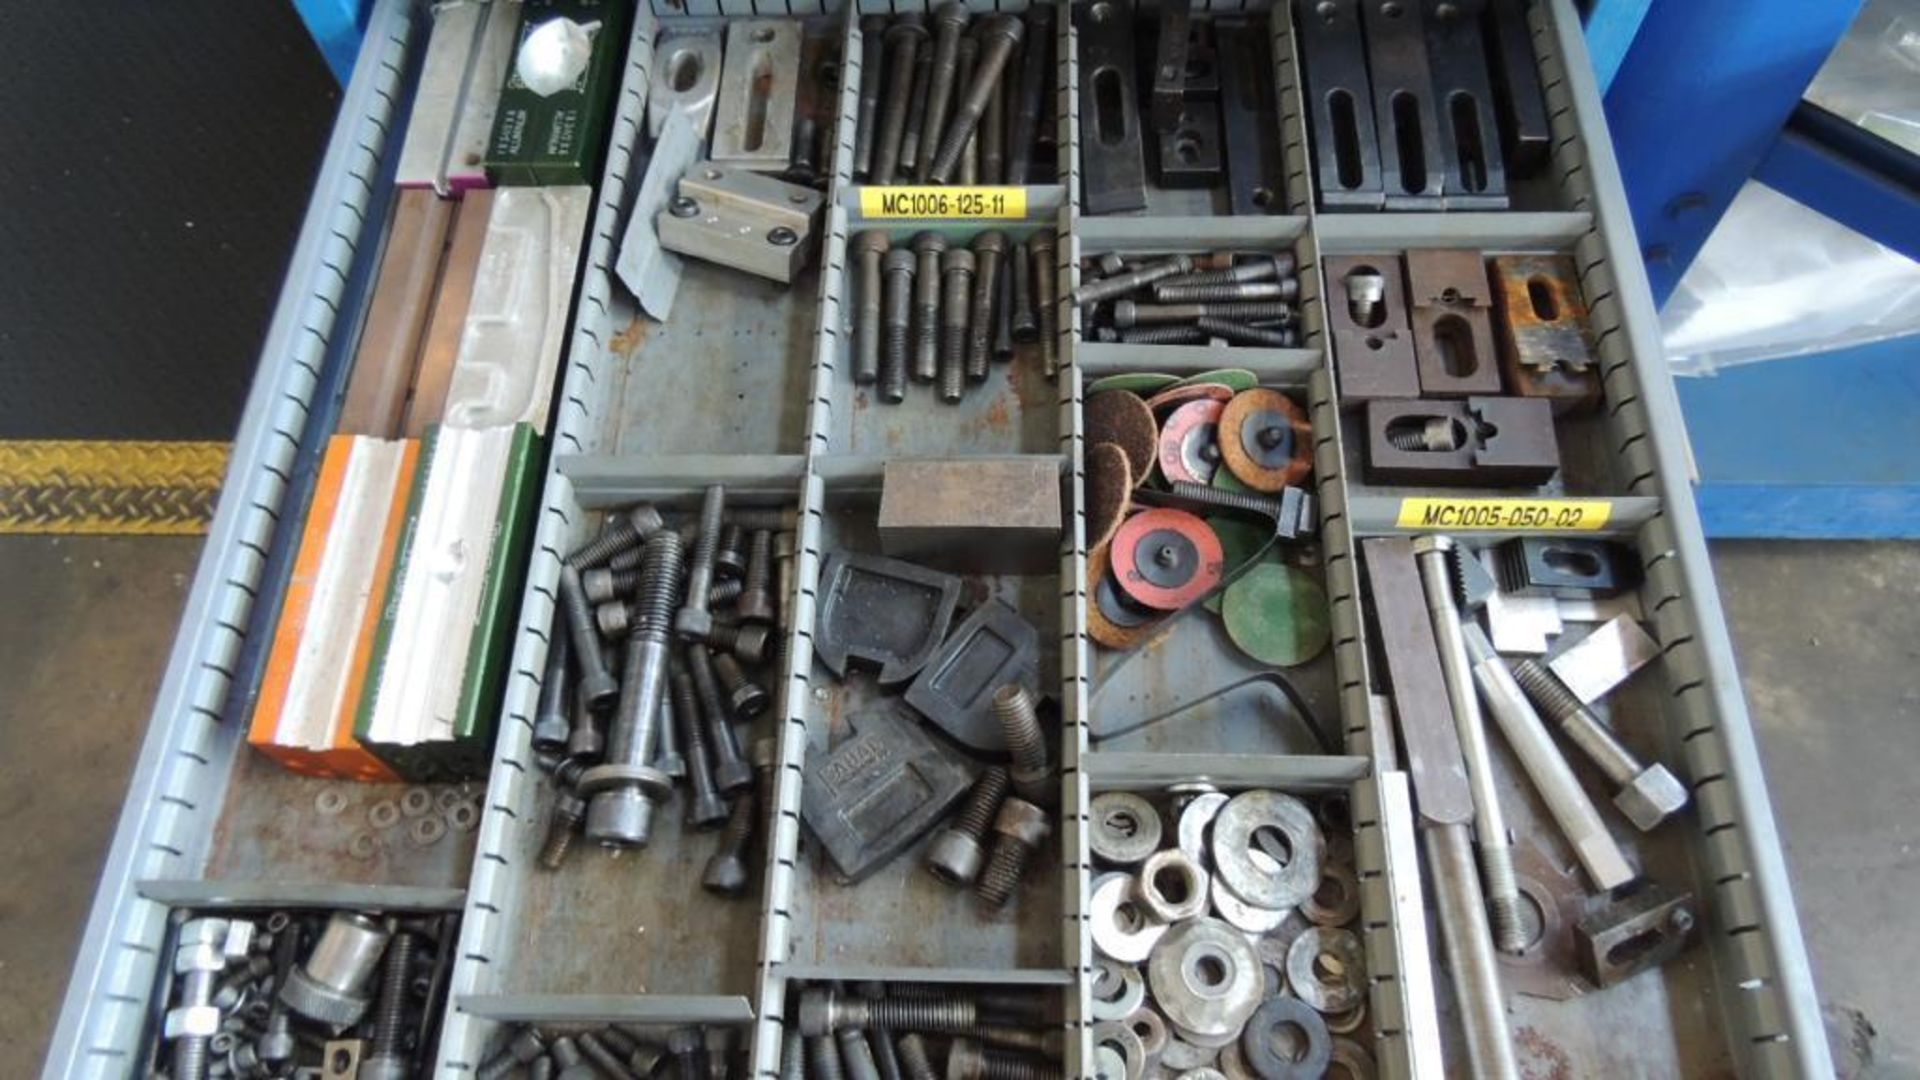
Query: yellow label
943,202
1569,515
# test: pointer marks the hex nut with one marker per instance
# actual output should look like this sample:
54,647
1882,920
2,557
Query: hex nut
1123,828
1171,886
1651,797
192,1021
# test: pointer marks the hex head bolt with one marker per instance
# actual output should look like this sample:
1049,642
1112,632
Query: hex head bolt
693,620
1033,771
1028,101
968,1060
1235,333
956,303
928,247
386,1056
824,1011
1490,823
756,602
745,699
956,854
989,247
1045,300
873,51
1019,829
1559,789
869,246
688,1045
911,143
896,321
731,773
1214,294
1648,794
949,23
522,1049
903,41
1001,34
1024,323
914,1058
1459,905
622,791
597,687
551,723
1140,277
623,532
563,822
705,808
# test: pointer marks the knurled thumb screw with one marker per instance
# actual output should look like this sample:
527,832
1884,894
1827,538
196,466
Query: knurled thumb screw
1003,32
1019,828
756,602
693,620
956,303
897,319
563,824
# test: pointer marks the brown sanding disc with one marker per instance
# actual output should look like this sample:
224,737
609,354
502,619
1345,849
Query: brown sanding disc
1123,419
1265,440
1104,593
1167,400
1109,484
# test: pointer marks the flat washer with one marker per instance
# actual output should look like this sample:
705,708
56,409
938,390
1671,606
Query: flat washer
1122,827
1265,1059
1151,1027
1327,968
1336,901
1277,615
1249,917
1130,996
1205,978
364,845
1121,928
416,801
1266,440
384,814
1189,447
1166,559
1350,1061
1233,842
1194,819
1120,1037
426,831
330,801
1113,619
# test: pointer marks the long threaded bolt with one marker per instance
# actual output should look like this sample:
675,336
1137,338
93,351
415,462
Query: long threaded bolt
563,822
1264,268
949,23
988,248
913,1056
604,1059
793,1055
968,171
870,247
956,302
705,808
756,602
1458,902
731,773
726,873
597,687
1210,294
1032,771
1026,324
824,1011
1127,313
1030,101
823,1051
958,850
525,1045
745,698
1242,334
384,1050
903,41
928,247
1044,300
551,723
873,51
992,140
624,532
730,561
1169,334
1490,824
1018,829
856,1055
897,323
1002,33
666,754
968,1060
621,793
911,143
1107,288
693,619
688,1045
1003,310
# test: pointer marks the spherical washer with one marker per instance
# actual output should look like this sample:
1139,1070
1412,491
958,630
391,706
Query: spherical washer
384,814
1336,901
1171,886
1327,969
1233,834
416,801
1127,992
1166,559
1205,978
1113,619
1349,1061
1266,440
426,831
1122,827
329,802
1267,1060
1189,442
1121,927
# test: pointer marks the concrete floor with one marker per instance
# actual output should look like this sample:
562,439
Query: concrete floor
1825,633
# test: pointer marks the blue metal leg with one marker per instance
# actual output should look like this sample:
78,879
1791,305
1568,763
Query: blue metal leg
1611,27
1851,175
1696,104
336,26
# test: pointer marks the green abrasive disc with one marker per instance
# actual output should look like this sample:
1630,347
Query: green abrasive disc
1277,615
1239,539
1235,379
1139,382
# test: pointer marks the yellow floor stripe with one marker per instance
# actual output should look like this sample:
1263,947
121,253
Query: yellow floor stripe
137,488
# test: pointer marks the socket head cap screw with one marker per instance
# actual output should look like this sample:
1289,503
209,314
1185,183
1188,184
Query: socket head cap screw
955,858
692,623
871,240
1022,821
925,242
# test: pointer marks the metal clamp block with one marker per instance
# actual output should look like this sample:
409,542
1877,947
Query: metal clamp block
994,647
875,794
759,93
1372,340
1479,442
743,220
1452,328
